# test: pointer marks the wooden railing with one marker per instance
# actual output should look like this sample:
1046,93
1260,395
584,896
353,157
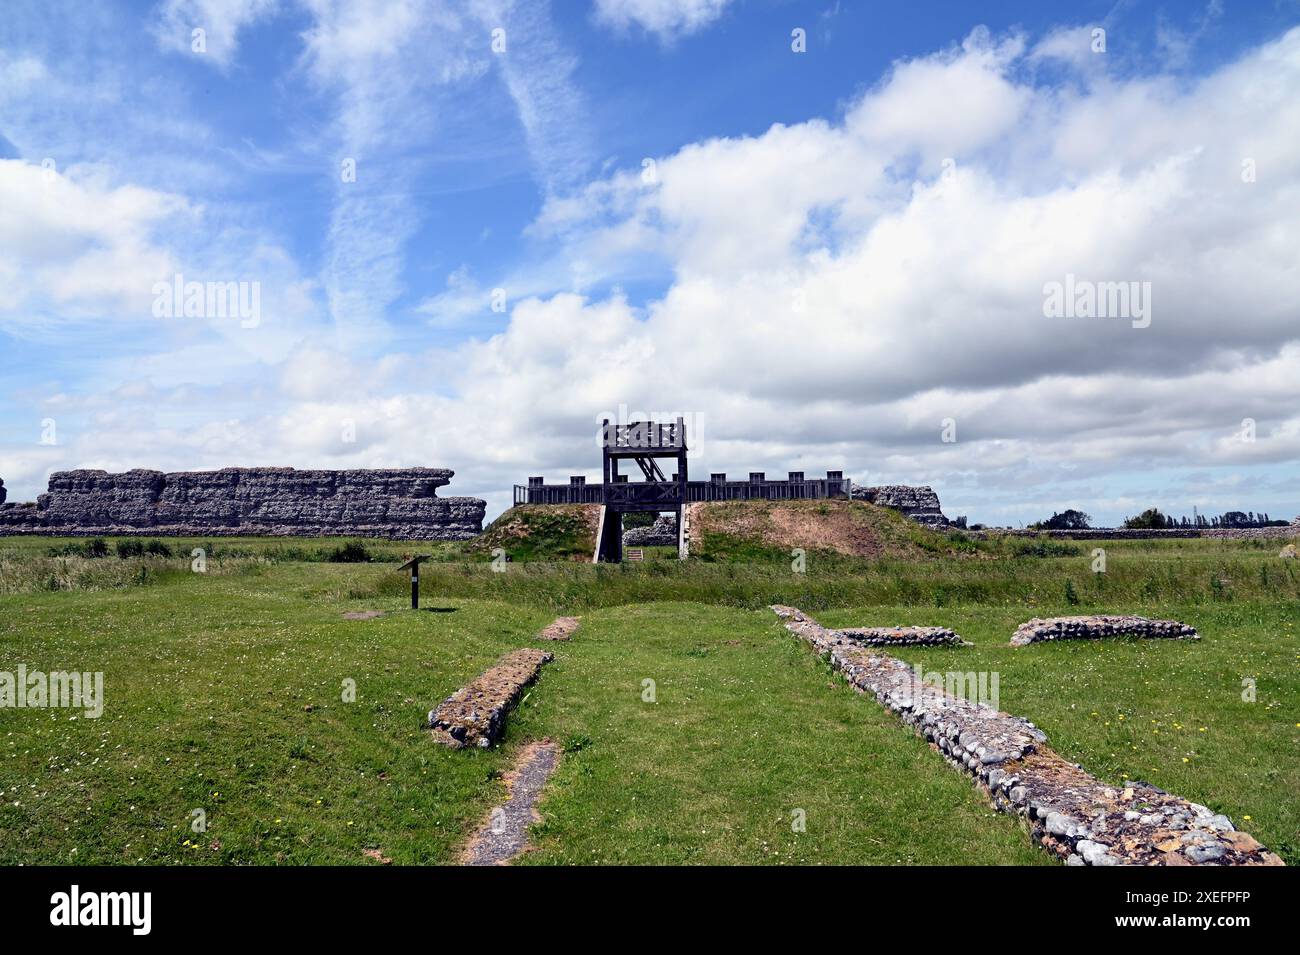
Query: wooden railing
666,492
644,435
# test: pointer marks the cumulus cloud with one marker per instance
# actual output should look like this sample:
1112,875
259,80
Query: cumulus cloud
836,289
71,242
840,290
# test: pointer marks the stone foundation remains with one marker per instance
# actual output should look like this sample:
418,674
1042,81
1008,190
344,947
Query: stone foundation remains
1279,532
1071,814
399,503
475,715
1099,627
901,636
563,628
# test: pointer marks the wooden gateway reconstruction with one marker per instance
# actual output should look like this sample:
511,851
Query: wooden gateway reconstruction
646,444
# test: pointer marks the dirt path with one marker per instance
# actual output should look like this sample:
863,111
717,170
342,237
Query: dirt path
504,834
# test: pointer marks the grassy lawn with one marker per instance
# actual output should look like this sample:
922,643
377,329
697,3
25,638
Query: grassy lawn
223,692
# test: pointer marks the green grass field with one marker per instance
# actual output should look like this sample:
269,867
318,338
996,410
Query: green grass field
223,693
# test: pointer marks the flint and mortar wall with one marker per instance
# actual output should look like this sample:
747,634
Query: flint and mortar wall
1070,813
398,503
1100,626
475,715
921,504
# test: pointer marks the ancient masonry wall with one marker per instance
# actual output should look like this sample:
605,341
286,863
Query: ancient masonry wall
1280,532
1100,626
399,503
1071,814
475,715
902,636
921,504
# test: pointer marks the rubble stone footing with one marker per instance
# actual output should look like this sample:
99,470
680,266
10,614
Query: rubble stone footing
475,715
563,628
1070,813
1098,627
901,636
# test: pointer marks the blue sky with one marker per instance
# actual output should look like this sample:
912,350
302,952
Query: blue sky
651,184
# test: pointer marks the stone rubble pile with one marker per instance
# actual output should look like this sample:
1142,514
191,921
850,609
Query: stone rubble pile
662,533
475,715
1070,813
901,636
1100,626
398,503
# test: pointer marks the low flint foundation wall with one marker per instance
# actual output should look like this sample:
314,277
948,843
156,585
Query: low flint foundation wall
1281,532
901,636
475,715
1070,813
1100,626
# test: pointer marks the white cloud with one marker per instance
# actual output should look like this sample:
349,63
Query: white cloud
221,21
71,241
834,294
538,73
945,105
667,19
374,59
1071,45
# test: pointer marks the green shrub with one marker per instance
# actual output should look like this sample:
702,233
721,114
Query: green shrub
129,547
1043,546
353,552
1150,519
1071,595
156,548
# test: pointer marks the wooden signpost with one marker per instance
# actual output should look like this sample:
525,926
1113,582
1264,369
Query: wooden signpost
414,563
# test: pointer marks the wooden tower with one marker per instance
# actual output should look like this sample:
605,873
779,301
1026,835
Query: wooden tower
645,443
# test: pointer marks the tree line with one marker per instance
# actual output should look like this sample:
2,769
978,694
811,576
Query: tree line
1153,519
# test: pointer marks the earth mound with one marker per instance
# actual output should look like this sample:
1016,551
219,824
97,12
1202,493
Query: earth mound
542,532
724,530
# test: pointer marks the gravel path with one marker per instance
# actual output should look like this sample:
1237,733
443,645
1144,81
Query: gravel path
504,834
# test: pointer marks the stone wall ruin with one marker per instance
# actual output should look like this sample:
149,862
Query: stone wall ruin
1070,813
921,504
398,503
1100,626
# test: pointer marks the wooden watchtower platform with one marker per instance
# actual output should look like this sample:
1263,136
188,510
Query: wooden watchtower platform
646,444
